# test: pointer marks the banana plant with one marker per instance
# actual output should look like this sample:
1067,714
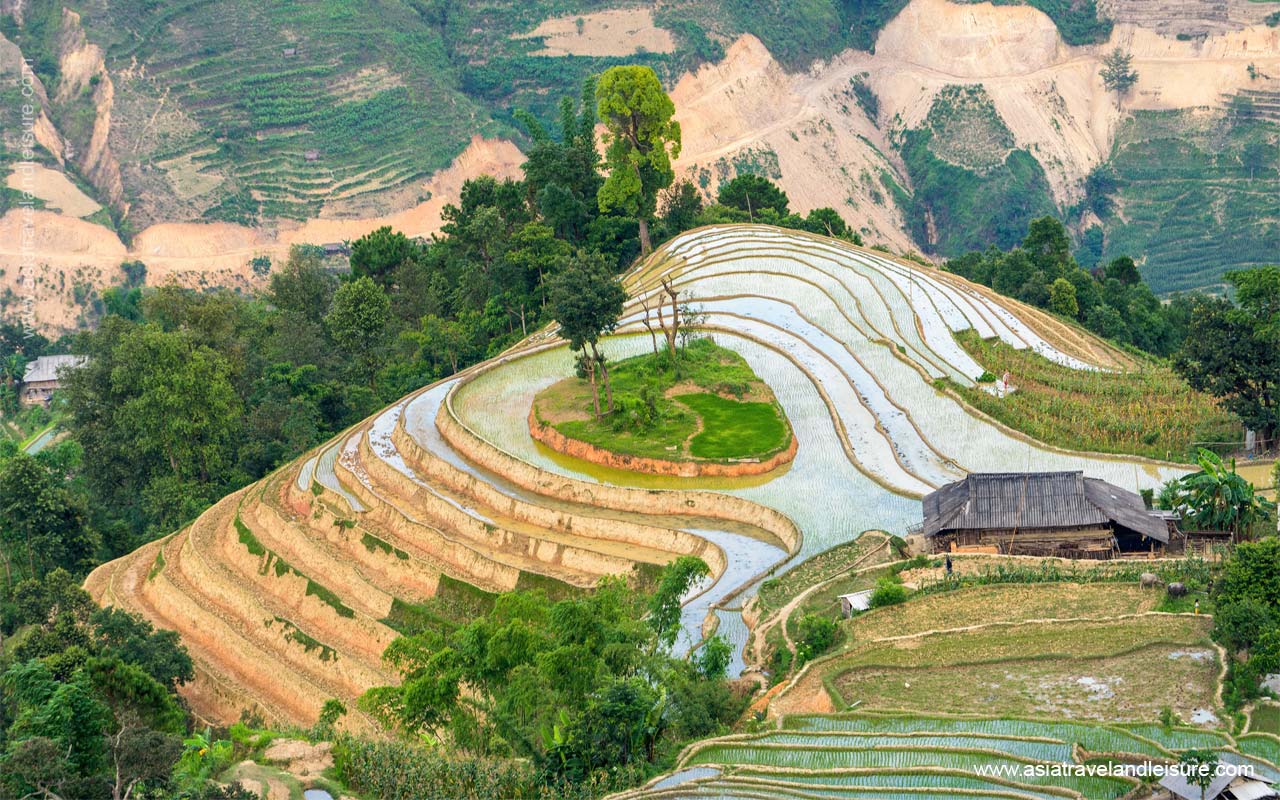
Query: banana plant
1216,498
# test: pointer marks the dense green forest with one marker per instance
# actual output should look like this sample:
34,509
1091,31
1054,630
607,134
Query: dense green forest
971,186
1111,300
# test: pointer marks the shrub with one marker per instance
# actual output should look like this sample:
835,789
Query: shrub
815,636
887,593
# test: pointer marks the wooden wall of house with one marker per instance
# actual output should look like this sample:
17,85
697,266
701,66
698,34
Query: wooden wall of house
1095,543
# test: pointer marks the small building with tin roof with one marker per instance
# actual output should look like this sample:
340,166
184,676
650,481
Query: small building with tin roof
42,378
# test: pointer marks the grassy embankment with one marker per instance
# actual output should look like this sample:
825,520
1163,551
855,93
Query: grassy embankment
713,407
1150,411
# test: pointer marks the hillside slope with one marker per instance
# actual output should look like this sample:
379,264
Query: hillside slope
286,592
319,124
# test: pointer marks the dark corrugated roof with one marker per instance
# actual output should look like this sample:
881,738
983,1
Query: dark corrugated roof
1027,500
1126,508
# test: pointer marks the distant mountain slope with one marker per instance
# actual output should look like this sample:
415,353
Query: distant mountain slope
931,125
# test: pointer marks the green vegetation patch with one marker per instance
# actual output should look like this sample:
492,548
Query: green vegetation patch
1261,745
247,539
157,565
1097,669
776,592
1184,179
972,188
1101,688
553,588
1149,411
660,412
1078,21
1265,718
309,643
372,543
731,428
969,761
976,605
272,562
455,602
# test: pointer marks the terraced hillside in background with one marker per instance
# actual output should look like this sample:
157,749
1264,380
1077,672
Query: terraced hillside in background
288,591
196,136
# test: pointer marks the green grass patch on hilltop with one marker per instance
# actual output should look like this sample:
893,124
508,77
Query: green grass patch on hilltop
713,408
1149,411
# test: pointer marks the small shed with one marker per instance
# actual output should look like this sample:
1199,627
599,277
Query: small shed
855,601
311,155
336,249
1228,786
289,52
43,377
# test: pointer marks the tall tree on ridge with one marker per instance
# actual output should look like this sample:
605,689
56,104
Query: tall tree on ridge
587,301
641,141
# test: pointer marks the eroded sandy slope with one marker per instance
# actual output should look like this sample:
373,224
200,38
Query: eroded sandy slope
806,130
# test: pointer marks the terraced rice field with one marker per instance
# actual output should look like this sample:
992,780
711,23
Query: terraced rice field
287,591
864,755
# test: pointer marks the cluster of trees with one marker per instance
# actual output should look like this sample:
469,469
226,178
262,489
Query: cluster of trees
1235,354
1112,301
88,704
190,395
584,687
1247,618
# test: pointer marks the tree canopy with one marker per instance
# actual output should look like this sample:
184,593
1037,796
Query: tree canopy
752,194
587,302
641,140
580,685
1113,302
1235,354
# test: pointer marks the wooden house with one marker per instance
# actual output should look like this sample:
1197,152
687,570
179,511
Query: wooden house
1060,514
42,378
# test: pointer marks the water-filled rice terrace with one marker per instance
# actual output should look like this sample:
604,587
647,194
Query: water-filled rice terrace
287,592
860,755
